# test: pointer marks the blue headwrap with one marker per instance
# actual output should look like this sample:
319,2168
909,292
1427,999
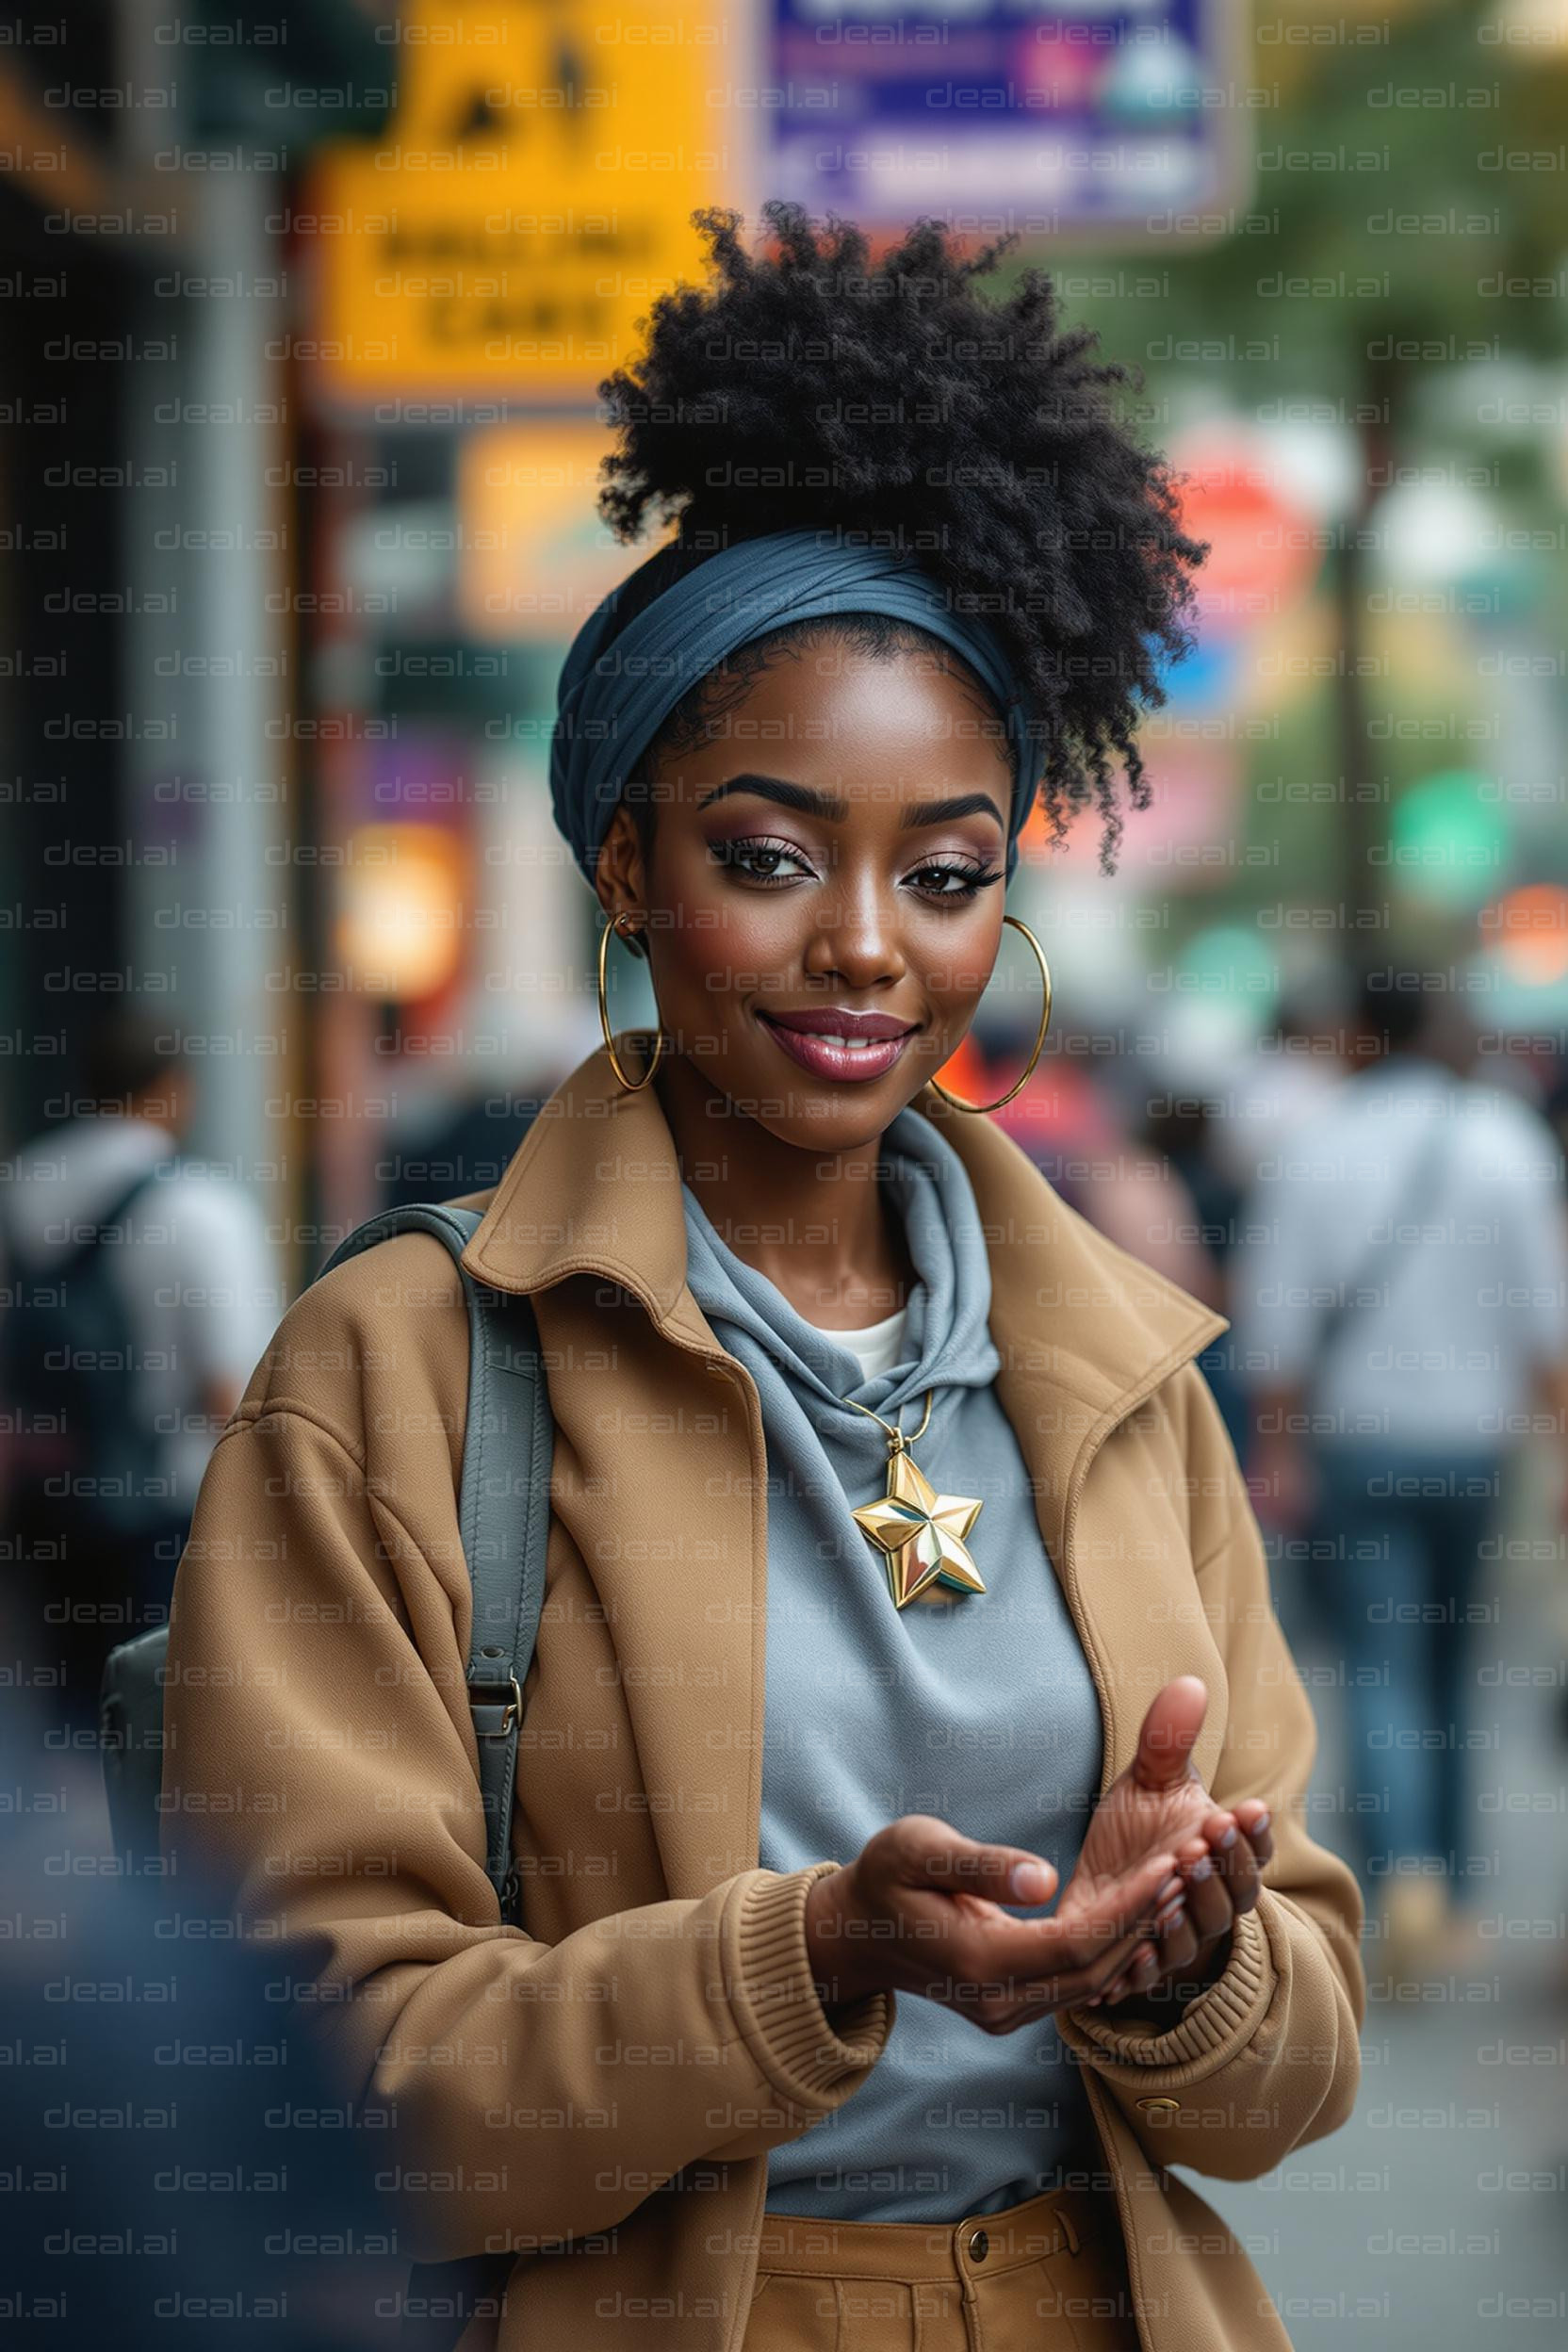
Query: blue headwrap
617,690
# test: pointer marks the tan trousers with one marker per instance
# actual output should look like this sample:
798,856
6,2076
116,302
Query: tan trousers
1047,2275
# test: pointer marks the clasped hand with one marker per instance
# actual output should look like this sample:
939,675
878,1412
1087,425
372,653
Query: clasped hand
1162,1874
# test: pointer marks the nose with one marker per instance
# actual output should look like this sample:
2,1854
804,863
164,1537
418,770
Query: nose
855,934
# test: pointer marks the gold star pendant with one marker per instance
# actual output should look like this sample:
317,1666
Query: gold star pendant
921,1532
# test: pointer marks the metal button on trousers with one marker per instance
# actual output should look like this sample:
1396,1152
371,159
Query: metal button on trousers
1047,2275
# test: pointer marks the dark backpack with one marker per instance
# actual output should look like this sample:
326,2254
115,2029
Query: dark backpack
504,1516
86,1469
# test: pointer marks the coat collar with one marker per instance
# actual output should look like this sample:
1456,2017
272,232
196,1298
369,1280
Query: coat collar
594,1187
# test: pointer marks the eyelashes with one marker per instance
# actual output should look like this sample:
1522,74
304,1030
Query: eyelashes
737,857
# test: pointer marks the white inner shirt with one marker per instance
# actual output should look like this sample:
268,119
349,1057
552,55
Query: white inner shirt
879,1345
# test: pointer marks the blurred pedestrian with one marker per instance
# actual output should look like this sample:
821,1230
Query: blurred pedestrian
1402,1311
179,2166
1195,1208
142,1292
1270,1090
462,1143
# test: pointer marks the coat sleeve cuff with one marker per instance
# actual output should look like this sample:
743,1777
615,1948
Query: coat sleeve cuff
811,2061
1219,2021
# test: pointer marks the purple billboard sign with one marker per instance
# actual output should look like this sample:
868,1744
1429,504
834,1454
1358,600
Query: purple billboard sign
1008,113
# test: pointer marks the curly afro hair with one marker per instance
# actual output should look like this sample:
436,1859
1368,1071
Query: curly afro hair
895,406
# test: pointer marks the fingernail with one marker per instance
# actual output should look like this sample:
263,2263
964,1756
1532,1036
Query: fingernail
1264,1820
1030,1882
1229,1840
1201,1869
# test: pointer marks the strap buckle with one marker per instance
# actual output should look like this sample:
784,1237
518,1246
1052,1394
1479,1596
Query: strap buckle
514,1706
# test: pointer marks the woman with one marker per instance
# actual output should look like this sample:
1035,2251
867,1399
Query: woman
849,1411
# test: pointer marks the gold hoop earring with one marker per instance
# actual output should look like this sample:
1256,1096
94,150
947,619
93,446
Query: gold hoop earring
1040,1041
631,1085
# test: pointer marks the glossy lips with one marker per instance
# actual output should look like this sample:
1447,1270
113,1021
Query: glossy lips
819,1042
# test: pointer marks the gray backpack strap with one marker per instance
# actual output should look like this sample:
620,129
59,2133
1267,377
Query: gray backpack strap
503,1512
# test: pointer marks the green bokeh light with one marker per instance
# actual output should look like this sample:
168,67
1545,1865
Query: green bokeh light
1232,964
1448,843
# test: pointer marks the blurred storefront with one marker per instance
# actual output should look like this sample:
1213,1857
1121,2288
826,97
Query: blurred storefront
297,516
154,532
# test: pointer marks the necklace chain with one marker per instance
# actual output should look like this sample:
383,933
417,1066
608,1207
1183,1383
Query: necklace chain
900,1442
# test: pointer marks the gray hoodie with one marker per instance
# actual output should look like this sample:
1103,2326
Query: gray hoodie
983,1712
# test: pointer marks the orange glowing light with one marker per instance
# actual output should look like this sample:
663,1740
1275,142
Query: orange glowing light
1531,928
400,913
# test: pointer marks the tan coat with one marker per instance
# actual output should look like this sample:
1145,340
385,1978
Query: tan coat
617,2075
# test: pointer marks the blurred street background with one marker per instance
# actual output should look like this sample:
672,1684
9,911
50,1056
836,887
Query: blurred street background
306,303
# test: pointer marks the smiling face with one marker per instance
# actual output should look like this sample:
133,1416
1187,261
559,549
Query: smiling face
828,864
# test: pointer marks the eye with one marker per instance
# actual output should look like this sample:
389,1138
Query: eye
761,858
750,856
967,880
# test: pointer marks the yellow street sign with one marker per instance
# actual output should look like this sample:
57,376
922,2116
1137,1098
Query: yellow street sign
528,201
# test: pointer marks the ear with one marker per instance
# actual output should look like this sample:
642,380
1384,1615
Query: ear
620,877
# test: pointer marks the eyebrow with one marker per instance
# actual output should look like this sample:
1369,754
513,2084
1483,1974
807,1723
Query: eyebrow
806,801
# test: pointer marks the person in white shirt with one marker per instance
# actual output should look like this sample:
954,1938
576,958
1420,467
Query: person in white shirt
1400,1317
195,1292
